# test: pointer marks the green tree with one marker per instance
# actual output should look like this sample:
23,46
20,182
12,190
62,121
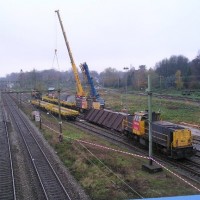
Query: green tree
110,77
168,67
195,73
140,78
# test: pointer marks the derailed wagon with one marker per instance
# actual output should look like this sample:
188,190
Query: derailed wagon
106,118
63,103
66,113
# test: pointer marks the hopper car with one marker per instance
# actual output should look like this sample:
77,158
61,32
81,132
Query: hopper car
66,113
170,139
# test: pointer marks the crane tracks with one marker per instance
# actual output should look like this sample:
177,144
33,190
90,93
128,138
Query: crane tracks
47,176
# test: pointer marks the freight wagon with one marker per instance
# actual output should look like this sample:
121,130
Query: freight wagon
66,113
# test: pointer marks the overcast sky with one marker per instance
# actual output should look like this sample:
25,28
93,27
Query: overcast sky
103,33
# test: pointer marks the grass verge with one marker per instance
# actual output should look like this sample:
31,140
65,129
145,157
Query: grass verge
110,175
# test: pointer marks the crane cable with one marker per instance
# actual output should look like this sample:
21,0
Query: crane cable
58,66
55,58
55,54
56,32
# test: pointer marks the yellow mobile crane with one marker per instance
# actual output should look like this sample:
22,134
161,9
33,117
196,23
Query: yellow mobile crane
81,101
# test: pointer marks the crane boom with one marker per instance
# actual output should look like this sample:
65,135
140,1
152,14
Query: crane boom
93,91
79,88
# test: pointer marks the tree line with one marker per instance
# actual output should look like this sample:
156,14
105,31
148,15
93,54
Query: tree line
174,72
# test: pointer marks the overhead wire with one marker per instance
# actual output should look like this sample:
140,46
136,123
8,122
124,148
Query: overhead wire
127,153
133,190
89,160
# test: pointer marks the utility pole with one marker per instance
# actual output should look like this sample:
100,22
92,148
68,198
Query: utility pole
40,116
20,98
150,167
150,118
60,119
126,68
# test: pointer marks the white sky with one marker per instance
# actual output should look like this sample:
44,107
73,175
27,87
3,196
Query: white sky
104,33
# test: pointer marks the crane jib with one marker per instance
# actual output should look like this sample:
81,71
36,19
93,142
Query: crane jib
80,91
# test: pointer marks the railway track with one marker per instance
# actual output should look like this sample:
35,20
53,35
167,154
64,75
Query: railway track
121,140
197,154
189,168
7,180
51,185
196,141
110,135
96,129
170,97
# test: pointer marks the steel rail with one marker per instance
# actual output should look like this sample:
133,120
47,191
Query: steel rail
192,168
82,125
41,165
7,179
